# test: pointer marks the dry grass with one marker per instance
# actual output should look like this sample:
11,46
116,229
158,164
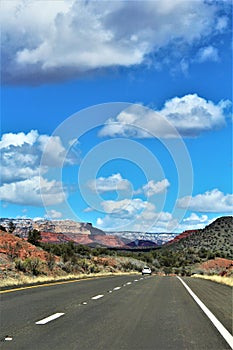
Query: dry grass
28,280
219,279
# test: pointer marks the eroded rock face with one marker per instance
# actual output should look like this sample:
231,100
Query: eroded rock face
22,226
63,226
63,231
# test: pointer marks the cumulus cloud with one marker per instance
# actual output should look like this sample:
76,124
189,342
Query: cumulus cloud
17,140
126,208
22,153
114,182
146,220
22,173
194,219
152,187
73,37
186,116
35,191
213,201
194,222
135,214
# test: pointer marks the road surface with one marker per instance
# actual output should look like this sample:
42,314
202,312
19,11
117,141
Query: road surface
114,313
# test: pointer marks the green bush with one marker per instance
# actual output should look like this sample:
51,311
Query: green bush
20,265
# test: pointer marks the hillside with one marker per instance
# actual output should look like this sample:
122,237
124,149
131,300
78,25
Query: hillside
21,261
180,236
216,239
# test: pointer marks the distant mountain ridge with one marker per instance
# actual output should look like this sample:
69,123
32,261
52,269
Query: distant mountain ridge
215,237
134,236
62,231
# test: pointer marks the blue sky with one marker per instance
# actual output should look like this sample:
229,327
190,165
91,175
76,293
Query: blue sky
117,113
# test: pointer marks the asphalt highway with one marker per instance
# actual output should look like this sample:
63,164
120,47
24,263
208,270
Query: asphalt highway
114,313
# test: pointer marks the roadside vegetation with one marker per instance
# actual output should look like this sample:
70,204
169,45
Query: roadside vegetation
215,278
206,253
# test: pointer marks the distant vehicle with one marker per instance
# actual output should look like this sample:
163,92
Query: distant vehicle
146,270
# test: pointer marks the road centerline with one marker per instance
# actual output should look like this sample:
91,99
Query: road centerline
222,330
97,297
50,318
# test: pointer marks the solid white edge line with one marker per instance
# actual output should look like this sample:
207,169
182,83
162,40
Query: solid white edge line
222,330
50,318
97,297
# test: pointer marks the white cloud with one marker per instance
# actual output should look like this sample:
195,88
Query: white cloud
72,37
22,153
134,214
222,23
213,201
208,53
152,187
147,220
186,116
34,192
22,172
114,182
18,140
194,222
54,153
110,223
53,214
126,208
194,219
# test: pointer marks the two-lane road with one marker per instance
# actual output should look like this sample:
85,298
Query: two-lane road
124,312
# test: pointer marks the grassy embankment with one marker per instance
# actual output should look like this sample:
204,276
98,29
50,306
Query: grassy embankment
215,278
26,280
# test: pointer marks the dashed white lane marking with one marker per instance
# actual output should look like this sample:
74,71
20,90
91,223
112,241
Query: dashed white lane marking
8,338
116,288
135,280
128,283
222,330
50,318
97,297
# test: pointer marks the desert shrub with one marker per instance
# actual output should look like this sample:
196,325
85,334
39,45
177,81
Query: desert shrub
31,265
11,227
34,237
99,251
68,267
167,270
20,265
83,250
51,261
129,266
93,268
34,265
83,264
